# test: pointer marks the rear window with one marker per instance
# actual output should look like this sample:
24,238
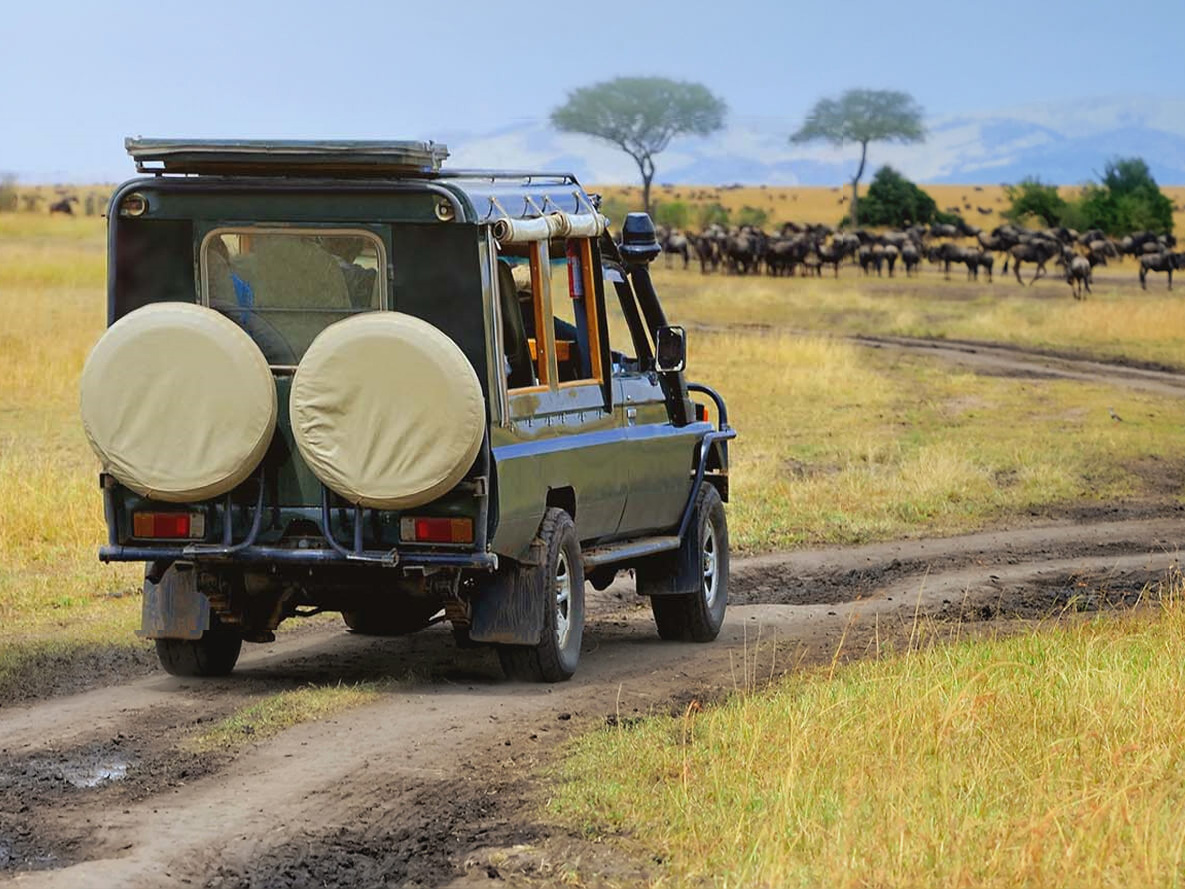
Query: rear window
285,287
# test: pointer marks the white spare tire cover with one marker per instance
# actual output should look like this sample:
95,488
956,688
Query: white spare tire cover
386,410
178,402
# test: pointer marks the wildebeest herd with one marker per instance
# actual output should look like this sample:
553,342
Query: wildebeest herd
810,249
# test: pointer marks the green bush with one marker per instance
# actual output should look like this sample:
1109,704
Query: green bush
713,213
894,200
754,216
1127,200
671,213
1034,198
8,195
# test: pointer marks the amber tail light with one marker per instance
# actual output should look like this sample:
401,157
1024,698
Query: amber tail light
169,525
420,529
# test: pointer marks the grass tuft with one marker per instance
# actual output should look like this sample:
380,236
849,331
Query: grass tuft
275,713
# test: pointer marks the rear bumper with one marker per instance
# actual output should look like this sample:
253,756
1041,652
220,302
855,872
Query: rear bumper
285,555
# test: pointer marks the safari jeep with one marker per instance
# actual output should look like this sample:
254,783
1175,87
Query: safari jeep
339,378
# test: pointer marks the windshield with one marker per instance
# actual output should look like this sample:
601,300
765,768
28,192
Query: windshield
285,287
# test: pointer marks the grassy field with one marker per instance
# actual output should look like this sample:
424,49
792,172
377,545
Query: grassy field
840,444
1046,759
818,204
1118,321
54,594
1033,761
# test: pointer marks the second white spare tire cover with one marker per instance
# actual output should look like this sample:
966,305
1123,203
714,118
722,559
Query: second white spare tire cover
178,402
386,410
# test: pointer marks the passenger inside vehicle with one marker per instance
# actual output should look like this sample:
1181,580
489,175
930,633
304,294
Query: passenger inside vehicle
518,314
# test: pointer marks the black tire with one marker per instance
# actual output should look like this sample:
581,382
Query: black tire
698,616
557,583
214,654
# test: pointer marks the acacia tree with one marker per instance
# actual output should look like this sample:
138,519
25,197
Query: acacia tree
640,115
863,116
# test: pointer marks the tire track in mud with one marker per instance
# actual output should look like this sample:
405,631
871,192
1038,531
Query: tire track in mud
1008,360
423,784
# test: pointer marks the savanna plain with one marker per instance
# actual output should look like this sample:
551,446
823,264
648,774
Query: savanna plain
1007,717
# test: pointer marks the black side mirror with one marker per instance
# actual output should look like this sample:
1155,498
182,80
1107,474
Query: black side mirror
671,349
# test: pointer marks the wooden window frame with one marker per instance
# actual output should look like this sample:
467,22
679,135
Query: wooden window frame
592,318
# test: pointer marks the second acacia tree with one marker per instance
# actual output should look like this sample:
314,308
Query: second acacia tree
640,115
861,117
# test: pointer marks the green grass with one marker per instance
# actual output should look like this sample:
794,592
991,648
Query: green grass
275,713
1047,759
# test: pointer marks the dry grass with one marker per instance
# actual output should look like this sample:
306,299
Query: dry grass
845,444
53,591
1117,321
1045,759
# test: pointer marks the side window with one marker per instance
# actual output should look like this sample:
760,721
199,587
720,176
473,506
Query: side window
520,302
550,319
576,321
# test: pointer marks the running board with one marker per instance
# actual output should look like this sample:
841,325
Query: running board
630,549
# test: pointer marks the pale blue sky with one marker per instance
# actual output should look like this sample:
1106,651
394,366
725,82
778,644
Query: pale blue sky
76,76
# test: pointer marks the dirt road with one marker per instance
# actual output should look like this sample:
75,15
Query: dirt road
436,783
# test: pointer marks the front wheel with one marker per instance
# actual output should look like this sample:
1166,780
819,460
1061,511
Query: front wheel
214,654
557,584
697,616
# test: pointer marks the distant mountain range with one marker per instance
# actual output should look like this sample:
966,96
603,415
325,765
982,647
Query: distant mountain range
1064,143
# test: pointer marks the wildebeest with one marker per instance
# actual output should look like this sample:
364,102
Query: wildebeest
63,205
1037,251
1160,262
870,258
674,242
1078,275
950,253
910,257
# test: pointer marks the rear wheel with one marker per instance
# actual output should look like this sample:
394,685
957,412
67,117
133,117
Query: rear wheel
558,586
214,654
698,616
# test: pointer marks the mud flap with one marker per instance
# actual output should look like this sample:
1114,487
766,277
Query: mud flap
510,607
675,573
173,608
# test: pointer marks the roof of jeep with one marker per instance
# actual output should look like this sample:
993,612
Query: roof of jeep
286,157
492,194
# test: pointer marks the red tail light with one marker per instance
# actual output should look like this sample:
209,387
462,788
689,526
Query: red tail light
701,412
170,525
420,529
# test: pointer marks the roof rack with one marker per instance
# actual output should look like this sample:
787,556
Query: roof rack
286,157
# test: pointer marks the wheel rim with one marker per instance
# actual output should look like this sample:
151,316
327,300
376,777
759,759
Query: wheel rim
711,575
563,600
